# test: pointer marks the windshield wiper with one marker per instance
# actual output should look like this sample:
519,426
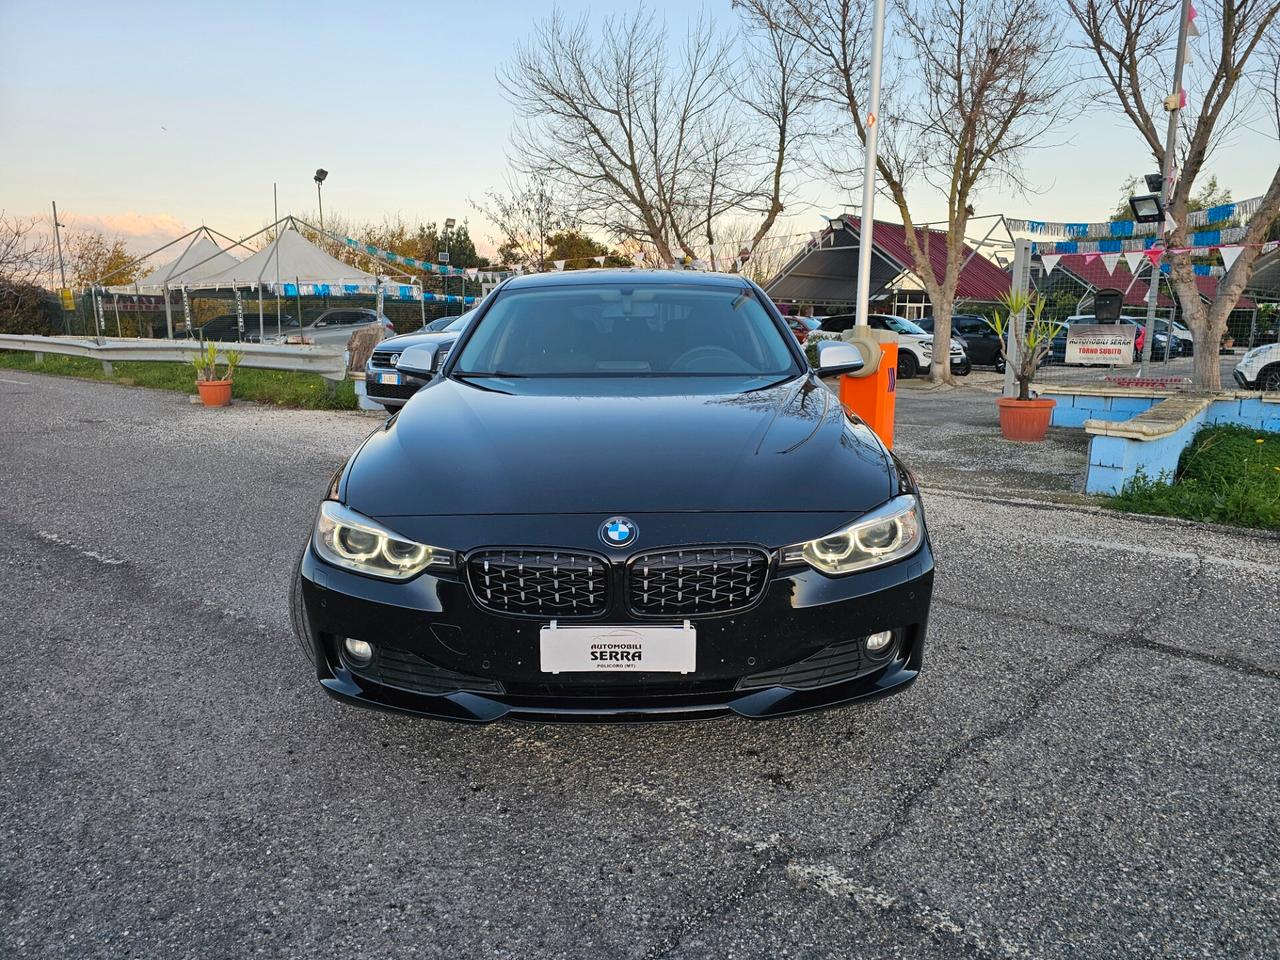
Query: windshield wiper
490,373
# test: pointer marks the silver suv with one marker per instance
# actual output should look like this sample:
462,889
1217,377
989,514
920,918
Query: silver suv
335,327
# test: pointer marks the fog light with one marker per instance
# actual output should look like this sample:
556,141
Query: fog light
875,643
358,651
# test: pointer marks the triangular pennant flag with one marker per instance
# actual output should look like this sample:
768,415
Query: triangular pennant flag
599,261
1229,255
559,264
1154,255
1050,260
1090,257
1109,260
1170,224
1133,258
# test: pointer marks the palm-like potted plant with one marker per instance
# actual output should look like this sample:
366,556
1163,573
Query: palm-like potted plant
214,384
1025,417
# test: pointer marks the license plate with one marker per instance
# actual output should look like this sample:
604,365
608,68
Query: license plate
595,649
392,379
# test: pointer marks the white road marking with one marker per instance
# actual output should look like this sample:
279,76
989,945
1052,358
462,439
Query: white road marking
21,383
91,554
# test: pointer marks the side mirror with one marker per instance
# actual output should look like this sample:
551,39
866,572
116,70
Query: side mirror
419,360
836,356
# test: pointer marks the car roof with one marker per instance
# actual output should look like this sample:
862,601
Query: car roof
616,276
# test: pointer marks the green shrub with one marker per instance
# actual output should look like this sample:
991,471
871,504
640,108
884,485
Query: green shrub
1227,475
28,309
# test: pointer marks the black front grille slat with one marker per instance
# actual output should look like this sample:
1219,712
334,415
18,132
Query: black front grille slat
696,580
840,661
549,583
405,670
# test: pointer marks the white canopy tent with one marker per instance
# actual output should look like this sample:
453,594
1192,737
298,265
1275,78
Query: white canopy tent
201,259
289,258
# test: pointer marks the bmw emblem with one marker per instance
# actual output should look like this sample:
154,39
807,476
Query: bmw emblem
618,532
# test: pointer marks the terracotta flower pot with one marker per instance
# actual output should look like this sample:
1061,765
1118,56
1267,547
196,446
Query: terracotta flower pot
1025,419
215,393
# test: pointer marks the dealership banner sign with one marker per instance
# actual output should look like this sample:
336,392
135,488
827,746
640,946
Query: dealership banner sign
1101,343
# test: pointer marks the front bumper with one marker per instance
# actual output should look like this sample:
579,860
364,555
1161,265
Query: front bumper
442,655
390,394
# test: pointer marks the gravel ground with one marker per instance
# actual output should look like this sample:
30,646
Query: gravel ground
1076,774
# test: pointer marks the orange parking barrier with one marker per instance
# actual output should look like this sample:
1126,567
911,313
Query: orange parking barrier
872,397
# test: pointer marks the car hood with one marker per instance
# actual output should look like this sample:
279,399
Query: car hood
406,340
458,449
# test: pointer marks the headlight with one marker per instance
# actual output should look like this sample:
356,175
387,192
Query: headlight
351,540
882,536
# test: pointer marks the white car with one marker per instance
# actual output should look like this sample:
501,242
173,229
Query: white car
915,344
1259,369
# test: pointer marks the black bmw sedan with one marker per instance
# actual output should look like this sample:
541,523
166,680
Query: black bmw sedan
624,495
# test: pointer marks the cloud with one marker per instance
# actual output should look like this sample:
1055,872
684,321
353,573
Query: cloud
142,232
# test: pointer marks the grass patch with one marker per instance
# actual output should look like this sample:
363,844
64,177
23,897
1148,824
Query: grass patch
1227,475
281,388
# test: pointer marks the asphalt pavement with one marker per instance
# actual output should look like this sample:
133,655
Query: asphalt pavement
1088,766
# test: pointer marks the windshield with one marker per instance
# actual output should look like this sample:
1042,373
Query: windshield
630,330
899,325
460,323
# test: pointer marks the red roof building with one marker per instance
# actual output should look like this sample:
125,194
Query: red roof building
825,272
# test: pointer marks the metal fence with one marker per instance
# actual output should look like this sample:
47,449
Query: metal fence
120,318
327,361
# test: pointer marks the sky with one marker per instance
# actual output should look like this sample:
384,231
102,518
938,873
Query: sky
148,119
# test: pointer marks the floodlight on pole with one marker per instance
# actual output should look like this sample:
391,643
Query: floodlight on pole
1147,208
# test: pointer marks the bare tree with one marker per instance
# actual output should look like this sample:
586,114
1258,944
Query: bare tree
974,84
657,141
1132,42
26,259
527,216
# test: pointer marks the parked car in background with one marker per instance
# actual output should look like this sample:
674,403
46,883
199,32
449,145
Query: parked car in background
435,326
335,327
386,385
1259,369
915,345
1160,345
1186,344
803,326
981,344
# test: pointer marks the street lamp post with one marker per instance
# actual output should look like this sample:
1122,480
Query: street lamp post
319,178
444,280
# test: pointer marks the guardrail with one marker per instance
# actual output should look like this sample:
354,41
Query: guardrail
328,362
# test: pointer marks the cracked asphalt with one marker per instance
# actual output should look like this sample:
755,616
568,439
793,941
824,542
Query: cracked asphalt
1088,766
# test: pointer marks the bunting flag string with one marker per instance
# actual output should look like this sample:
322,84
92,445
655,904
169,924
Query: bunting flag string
392,291
1121,229
1197,240
1134,258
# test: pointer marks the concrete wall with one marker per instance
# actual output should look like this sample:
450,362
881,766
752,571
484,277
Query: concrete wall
1073,410
1115,460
